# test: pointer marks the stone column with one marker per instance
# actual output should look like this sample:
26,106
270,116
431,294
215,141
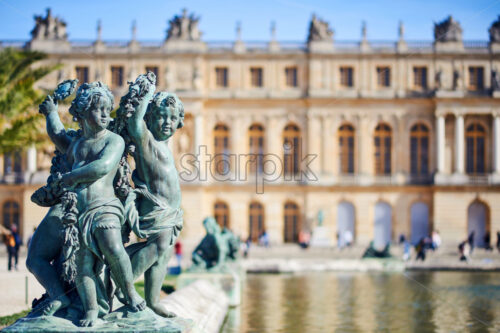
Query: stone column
496,143
324,144
440,143
31,160
459,144
198,132
313,145
197,143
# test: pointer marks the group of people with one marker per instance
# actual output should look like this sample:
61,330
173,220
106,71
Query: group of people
432,242
344,238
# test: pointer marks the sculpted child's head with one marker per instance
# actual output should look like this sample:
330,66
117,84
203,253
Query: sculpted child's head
165,114
92,105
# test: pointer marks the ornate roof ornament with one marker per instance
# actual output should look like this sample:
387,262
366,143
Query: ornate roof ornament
364,34
49,28
319,30
494,31
134,30
99,31
448,30
184,27
401,31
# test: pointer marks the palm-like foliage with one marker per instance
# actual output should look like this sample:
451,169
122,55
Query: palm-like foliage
20,122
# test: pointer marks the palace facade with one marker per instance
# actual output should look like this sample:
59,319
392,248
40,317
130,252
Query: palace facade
379,138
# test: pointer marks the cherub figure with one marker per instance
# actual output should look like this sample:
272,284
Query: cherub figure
94,157
153,208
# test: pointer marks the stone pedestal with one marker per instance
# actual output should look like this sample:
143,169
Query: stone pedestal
494,47
449,47
200,306
119,321
184,46
49,46
321,237
323,46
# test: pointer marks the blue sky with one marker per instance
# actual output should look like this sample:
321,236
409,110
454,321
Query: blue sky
218,18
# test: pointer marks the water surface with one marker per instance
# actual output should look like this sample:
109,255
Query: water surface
369,302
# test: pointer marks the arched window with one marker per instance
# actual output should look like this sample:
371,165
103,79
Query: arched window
256,221
221,214
383,144
478,222
383,226
256,142
419,214
292,222
12,162
419,149
345,223
475,141
222,164
291,145
10,212
346,147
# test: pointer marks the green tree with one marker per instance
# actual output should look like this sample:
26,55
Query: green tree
20,123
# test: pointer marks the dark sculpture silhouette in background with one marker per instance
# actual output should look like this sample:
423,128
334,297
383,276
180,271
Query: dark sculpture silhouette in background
215,249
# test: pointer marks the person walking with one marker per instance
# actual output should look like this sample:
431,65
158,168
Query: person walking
436,240
13,242
178,252
470,240
420,248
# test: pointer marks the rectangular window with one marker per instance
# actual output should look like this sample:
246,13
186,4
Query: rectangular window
116,76
82,74
291,76
476,78
221,77
420,78
346,77
383,77
155,70
256,77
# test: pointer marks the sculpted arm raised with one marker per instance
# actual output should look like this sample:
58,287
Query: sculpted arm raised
136,102
48,108
135,124
55,127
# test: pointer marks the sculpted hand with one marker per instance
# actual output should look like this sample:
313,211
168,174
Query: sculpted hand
69,182
149,95
48,106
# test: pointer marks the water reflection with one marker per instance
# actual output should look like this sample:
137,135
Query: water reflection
370,302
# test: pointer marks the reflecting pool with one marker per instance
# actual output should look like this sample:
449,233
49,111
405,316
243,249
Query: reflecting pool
369,302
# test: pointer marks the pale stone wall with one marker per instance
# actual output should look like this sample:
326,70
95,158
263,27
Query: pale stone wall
319,105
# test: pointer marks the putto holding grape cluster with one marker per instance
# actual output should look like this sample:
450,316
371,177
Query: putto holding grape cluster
79,252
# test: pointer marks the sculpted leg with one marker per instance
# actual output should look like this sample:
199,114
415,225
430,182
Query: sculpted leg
86,286
143,259
110,244
46,246
154,276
